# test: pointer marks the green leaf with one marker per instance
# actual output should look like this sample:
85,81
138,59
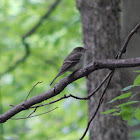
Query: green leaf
138,71
127,88
137,80
126,95
127,113
137,114
116,114
128,103
109,111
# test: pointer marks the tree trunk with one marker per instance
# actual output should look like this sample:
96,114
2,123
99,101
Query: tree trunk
130,18
101,34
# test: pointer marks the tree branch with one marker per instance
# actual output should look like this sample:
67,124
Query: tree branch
99,104
75,97
32,89
98,64
34,115
123,49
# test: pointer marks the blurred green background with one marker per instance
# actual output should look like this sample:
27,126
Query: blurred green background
49,45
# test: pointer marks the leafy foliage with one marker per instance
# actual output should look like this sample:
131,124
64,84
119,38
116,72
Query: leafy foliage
137,114
127,103
137,80
126,109
110,111
127,88
126,113
126,95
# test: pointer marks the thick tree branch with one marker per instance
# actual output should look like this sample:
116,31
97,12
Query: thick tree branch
98,64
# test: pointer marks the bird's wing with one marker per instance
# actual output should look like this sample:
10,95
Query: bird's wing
70,61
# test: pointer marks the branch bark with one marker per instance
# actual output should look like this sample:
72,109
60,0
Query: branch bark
58,88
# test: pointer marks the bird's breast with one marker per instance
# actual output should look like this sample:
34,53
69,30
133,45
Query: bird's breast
78,65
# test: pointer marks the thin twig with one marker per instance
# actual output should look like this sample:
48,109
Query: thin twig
123,49
99,104
34,115
32,112
76,97
12,105
91,120
32,89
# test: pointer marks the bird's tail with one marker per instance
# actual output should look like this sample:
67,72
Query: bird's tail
55,78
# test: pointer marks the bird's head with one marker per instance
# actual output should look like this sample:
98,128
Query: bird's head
80,49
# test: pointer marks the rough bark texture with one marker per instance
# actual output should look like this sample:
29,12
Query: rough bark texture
101,33
130,17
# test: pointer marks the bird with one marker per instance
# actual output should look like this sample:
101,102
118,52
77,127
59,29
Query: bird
73,62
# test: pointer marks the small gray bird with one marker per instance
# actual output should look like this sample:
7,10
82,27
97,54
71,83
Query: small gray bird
73,62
